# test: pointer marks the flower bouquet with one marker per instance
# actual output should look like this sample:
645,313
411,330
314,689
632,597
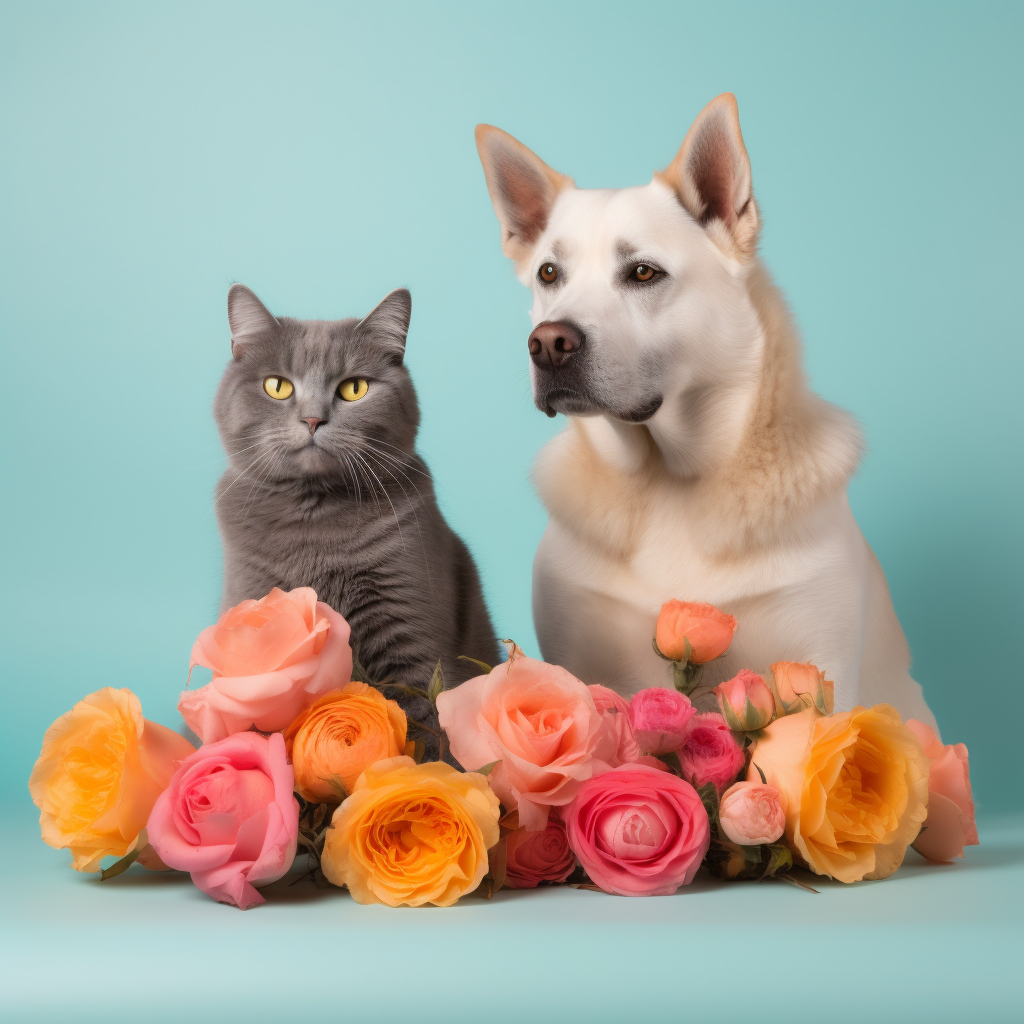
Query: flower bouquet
557,782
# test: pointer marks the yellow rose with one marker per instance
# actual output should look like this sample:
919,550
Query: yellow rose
100,771
339,736
854,787
412,833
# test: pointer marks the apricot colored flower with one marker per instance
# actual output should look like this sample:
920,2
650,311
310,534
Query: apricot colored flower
270,659
538,722
333,741
800,685
100,771
707,630
746,701
853,786
412,833
950,824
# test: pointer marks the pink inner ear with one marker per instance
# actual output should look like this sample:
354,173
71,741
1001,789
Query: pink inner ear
712,169
525,196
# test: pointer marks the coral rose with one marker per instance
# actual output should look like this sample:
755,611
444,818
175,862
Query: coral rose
100,771
537,721
746,701
800,686
339,736
638,831
535,857
706,630
229,818
270,659
710,753
854,787
412,833
751,814
617,741
660,719
950,824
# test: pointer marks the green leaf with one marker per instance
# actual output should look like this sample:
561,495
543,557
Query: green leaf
764,781
672,760
487,768
436,682
488,669
499,862
121,866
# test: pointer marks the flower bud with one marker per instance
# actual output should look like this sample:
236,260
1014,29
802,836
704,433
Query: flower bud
696,633
746,701
799,686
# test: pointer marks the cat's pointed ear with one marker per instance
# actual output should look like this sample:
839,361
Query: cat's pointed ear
388,321
247,317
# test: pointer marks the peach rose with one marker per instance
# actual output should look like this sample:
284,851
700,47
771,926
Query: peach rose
229,818
638,831
333,741
746,701
535,857
537,721
709,752
617,741
751,814
100,771
693,632
270,659
412,833
854,788
660,719
950,824
800,686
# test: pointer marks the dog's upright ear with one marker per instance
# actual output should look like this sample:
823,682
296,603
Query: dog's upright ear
711,176
523,189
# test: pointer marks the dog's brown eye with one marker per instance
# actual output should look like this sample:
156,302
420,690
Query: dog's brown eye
549,273
643,272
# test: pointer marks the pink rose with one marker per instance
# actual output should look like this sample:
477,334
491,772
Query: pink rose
638,831
537,721
710,753
534,857
270,659
660,718
746,701
950,824
751,814
617,742
229,818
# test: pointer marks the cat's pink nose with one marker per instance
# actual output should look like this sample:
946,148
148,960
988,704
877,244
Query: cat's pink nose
312,422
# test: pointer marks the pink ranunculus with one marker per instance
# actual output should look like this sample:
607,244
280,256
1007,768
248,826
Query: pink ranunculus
270,659
638,831
746,701
950,824
535,857
710,753
537,721
660,719
751,814
229,818
617,741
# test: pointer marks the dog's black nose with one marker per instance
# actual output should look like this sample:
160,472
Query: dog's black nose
554,343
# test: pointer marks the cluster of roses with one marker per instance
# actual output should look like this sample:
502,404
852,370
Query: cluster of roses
562,781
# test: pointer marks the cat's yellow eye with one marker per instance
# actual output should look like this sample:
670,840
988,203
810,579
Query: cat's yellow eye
353,389
278,387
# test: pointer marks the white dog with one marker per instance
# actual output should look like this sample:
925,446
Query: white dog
697,464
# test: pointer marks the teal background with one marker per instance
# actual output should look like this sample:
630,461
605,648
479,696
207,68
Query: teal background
151,154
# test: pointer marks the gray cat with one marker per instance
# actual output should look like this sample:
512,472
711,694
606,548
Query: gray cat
325,489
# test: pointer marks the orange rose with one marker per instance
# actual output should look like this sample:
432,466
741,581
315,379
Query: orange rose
854,788
696,633
100,771
412,833
800,686
339,736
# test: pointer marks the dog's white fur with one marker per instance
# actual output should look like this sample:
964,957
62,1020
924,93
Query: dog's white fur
734,491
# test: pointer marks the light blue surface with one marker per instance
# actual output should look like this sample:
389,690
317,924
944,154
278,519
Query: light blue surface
322,154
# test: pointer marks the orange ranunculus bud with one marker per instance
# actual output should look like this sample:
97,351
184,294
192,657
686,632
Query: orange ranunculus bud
706,630
800,686
746,701
339,736
100,771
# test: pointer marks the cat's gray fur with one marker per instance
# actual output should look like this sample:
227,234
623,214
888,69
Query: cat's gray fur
348,509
